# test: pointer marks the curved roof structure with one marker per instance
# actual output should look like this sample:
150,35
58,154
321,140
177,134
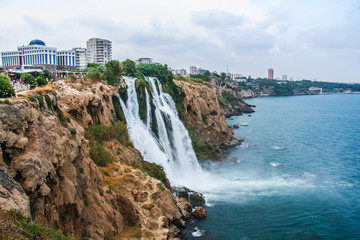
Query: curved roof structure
37,42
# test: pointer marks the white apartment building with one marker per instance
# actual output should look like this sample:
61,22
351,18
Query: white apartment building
82,58
144,60
101,50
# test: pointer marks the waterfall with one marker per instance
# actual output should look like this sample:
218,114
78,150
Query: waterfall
171,146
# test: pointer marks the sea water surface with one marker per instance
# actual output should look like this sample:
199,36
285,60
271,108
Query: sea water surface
296,175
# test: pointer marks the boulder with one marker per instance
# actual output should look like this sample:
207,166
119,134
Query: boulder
199,213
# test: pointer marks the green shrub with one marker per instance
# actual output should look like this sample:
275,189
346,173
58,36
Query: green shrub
204,119
6,90
100,156
73,131
29,79
81,170
41,81
27,230
153,170
213,112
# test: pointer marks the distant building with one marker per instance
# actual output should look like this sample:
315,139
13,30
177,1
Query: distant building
82,58
182,72
200,71
144,60
270,73
235,76
193,70
100,49
315,90
66,60
38,56
284,77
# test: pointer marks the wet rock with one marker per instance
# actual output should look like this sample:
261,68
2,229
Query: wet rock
199,213
235,126
197,199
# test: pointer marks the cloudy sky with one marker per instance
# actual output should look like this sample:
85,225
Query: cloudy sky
303,39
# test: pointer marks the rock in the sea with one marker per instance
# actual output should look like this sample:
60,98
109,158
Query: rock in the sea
199,213
235,126
197,199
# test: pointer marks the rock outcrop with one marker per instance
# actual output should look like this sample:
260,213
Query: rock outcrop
204,116
231,89
44,149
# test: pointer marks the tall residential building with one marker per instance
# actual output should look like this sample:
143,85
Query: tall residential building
284,78
193,70
270,73
101,50
82,58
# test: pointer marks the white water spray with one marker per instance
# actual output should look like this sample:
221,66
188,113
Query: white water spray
171,146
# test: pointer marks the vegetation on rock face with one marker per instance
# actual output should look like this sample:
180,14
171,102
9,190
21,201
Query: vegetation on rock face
141,96
202,149
153,170
100,156
6,90
99,134
15,226
118,109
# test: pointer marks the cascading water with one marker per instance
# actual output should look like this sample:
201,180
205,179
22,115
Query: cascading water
171,146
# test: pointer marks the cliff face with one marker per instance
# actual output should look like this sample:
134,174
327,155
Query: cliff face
43,148
231,97
205,120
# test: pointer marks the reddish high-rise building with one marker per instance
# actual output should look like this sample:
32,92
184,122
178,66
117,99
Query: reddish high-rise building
270,73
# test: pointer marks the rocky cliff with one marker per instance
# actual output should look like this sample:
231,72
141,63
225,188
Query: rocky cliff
205,120
47,172
231,96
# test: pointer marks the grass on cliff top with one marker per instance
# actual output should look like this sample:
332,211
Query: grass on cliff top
14,226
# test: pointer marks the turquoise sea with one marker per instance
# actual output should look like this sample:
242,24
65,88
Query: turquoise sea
296,175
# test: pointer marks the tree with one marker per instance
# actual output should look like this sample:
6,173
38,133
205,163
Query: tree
223,76
47,74
6,90
29,79
41,81
112,73
128,67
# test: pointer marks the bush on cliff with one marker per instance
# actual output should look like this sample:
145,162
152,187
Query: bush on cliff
41,81
100,156
29,79
153,170
6,90
15,226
